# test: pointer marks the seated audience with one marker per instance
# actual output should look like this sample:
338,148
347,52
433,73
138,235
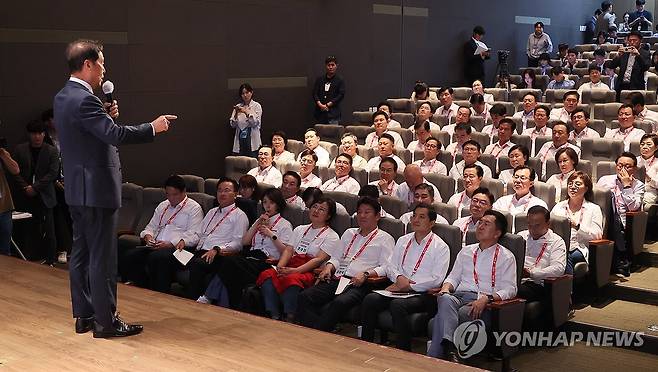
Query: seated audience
430,163
269,238
423,93
290,188
599,59
610,72
419,263
310,195
518,155
643,114
570,100
423,194
307,161
463,117
422,131
370,191
580,125
498,113
364,252
481,201
412,178
594,81
626,131
266,172
471,155
386,107
504,83
279,143
448,108
472,177
528,112
478,88
506,128
471,284
424,113
462,134
541,128
529,80
648,149
479,107
386,149
342,181
310,246
380,122
560,140
348,145
567,160
386,184
312,142
545,255
522,199
571,61
584,216
545,64
627,194
559,80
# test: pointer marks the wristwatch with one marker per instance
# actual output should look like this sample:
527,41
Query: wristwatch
274,238
490,298
366,274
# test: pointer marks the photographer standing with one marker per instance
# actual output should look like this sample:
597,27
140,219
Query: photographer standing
633,61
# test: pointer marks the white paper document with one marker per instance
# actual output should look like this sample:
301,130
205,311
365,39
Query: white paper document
183,256
481,47
386,293
342,284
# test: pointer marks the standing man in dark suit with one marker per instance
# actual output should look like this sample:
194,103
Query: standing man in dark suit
39,165
328,93
474,63
633,61
88,139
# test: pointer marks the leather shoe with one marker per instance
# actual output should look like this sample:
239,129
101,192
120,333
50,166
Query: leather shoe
119,328
84,325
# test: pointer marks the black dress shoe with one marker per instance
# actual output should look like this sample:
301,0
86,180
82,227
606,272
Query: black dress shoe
84,325
118,329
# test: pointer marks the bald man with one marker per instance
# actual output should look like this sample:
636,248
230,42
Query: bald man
413,177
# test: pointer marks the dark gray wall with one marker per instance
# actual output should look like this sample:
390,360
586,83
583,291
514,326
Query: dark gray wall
176,56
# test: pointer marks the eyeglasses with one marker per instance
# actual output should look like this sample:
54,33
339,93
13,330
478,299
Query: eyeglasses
343,162
522,178
480,202
626,166
431,146
307,161
318,207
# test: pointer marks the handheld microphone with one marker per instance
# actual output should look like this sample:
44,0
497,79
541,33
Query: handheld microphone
108,88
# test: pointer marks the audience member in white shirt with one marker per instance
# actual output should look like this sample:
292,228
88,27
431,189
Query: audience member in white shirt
290,188
448,108
479,107
423,113
423,193
545,255
522,199
463,117
472,177
372,192
419,262
462,134
386,184
430,163
585,218
348,145
481,201
566,160
541,128
626,131
581,129
627,194
423,93
528,112
594,81
501,148
477,87
647,159
518,155
248,188
498,112
470,286
560,140
380,122
279,143
643,114
412,178
384,106
471,155
570,101
422,131
307,161
312,141
342,181
385,149
265,172
366,251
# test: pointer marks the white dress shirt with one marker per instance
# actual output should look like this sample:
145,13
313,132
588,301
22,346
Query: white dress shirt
560,114
648,116
454,148
450,129
535,132
394,124
269,175
591,86
450,111
403,193
185,224
344,184
650,187
465,224
590,219
223,228
425,263
463,274
432,166
549,150
296,200
415,146
358,162
283,231
491,131
559,181
373,164
498,150
484,114
587,132
390,189
630,135
406,219
372,139
323,156
307,240
553,257
625,199
461,201
284,157
457,170
514,206
506,176
243,121
375,255
311,181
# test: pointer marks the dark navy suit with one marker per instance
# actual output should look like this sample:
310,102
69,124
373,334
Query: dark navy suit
92,172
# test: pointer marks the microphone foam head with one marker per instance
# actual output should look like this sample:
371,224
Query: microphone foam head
108,87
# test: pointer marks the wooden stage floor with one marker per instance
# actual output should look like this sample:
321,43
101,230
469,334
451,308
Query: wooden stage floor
36,334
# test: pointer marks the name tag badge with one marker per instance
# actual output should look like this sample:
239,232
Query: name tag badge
327,86
342,269
302,247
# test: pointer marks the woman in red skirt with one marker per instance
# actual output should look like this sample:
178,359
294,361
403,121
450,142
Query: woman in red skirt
311,247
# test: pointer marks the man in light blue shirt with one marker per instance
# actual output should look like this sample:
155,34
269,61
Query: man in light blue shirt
559,80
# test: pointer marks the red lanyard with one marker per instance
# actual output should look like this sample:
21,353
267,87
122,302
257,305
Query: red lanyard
339,182
614,195
262,240
422,255
468,222
493,267
501,149
429,169
541,253
375,139
512,202
461,199
627,134
220,221
160,225
389,188
291,199
649,163
569,213
318,234
363,247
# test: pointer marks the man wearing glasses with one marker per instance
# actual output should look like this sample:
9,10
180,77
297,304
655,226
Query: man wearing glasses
581,129
522,199
560,139
429,163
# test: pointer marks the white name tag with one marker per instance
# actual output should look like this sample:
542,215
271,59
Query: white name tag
327,86
342,269
302,247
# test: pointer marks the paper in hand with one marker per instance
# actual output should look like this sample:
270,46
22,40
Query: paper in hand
481,47
183,256
342,284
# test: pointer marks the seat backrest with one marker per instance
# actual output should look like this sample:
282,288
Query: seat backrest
393,205
131,206
555,95
151,198
603,198
207,202
579,48
360,131
521,139
449,212
365,152
329,132
394,227
360,175
598,96
598,125
295,146
442,136
606,111
494,186
462,93
652,82
539,142
490,161
481,138
238,166
293,213
331,148
402,105
340,223
561,226
362,117
250,207
210,186
346,199
404,154
517,94
649,96
476,122
452,236
546,193
193,183
406,135
405,119
445,184
520,222
600,149
499,94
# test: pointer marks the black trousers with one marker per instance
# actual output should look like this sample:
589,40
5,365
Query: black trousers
63,223
93,264
531,291
200,273
533,62
43,216
239,272
319,307
161,267
400,309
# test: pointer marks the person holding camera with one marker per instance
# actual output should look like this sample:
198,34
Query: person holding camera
641,20
633,61
245,118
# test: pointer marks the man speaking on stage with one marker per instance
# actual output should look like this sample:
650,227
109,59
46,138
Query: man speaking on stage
92,172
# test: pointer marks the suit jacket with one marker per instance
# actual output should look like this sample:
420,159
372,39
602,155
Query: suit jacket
473,64
44,172
88,138
642,64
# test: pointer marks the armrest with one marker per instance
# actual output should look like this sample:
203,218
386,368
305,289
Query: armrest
600,261
505,303
558,279
636,230
507,316
125,232
559,290
376,279
229,254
